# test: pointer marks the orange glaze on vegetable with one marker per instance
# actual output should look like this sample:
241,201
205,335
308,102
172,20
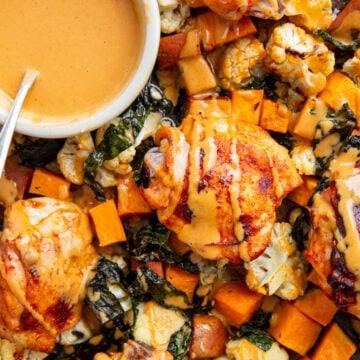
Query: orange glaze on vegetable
85,51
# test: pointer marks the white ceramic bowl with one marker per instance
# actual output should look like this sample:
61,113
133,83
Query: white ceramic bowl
47,127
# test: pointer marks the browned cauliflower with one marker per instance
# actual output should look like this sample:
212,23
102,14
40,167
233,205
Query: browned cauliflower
281,269
304,159
238,61
173,14
310,14
72,156
299,58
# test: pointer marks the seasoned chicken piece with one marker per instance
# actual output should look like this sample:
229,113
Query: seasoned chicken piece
217,184
228,9
46,258
235,9
333,248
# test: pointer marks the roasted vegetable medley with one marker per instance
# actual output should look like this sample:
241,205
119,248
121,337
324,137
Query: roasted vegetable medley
217,217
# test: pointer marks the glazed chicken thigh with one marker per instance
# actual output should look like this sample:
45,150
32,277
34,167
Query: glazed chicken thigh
217,183
46,258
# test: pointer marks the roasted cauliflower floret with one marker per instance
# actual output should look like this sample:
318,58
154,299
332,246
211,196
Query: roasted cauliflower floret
304,158
72,156
238,61
310,14
242,349
298,58
155,324
173,14
352,67
281,269
105,177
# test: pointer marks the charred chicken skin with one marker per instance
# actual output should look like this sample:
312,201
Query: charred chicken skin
217,183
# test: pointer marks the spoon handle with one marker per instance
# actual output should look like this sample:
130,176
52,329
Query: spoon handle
8,128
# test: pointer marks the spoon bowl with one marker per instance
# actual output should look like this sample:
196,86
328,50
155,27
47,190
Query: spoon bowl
56,121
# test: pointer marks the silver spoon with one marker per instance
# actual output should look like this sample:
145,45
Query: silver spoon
8,128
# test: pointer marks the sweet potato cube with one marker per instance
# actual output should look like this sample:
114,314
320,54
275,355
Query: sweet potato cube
236,302
302,194
312,112
317,306
108,226
217,31
47,183
247,105
219,107
293,329
130,201
182,280
209,337
275,116
334,344
178,46
341,89
196,75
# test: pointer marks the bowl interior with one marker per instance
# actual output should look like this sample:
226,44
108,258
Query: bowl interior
60,127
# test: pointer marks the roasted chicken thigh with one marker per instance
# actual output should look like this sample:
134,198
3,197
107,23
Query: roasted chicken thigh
217,183
46,258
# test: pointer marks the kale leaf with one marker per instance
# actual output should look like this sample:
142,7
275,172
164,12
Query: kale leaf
146,285
254,331
342,51
151,243
286,140
137,162
38,152
267,83
336,43
106,293
300,229
180,342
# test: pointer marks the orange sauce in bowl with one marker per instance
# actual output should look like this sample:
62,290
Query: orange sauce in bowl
85,50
